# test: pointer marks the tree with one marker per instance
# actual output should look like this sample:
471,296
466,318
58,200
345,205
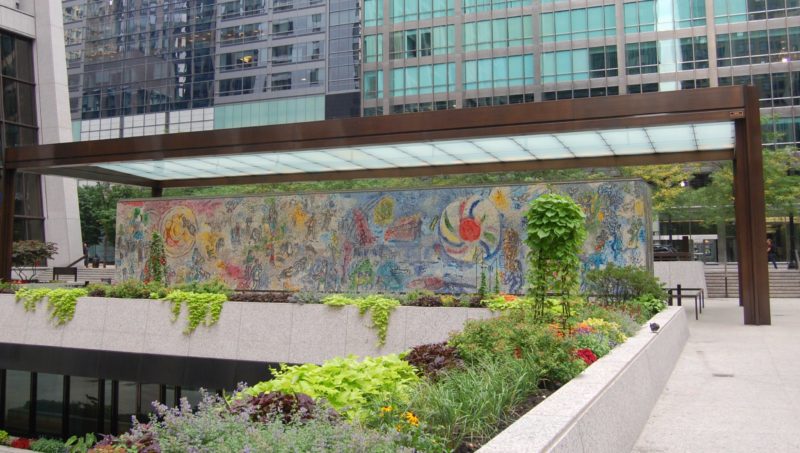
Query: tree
98,208
29,254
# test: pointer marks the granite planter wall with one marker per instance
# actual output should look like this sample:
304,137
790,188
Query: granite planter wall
605,408
247,331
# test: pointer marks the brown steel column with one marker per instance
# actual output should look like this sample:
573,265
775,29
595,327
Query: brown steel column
7,223
751,224
156,191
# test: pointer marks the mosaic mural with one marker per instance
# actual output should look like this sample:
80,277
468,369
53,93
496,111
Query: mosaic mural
392,241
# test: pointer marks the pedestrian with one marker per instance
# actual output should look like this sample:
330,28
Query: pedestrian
85,255
771,255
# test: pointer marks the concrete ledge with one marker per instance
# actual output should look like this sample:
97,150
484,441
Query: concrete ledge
606,407
688,274
247,331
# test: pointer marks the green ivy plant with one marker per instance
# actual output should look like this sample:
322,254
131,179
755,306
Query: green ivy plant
155,269
60,301
556,230
379,306
204,308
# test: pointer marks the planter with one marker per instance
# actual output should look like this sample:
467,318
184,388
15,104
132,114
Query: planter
605,408
261,332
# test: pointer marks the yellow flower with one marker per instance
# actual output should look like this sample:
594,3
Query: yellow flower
386,409
411,418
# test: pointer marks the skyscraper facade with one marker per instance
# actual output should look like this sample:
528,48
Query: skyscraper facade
34,110
139,67
143,67
425,55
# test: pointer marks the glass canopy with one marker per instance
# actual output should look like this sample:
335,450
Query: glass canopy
569,145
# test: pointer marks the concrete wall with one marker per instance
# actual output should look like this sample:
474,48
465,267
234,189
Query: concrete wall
605,408
291,333
62,222
688,274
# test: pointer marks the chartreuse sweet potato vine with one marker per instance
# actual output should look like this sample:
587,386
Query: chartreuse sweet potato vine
60,301
556,230
379,306
350,386
204,308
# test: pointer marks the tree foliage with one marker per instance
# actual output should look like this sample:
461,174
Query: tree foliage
28,254
98,208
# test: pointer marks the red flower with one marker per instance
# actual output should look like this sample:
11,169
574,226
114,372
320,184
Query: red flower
586,355
22,443
517,353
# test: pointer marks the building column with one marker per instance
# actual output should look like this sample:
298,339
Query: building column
7,222
749,205
156,191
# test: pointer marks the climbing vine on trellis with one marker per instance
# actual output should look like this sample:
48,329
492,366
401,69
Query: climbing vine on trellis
556,230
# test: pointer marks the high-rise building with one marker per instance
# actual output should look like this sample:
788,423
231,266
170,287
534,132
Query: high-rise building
34,110
139,67
143,67
425,55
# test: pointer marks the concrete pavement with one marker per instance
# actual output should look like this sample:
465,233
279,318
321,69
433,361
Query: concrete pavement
735,388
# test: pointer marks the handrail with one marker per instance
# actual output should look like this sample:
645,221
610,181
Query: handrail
76,261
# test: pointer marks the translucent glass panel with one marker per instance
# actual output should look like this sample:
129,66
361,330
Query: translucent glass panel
758,47
373,84
699,137
498,33
423,79
422,42
578,24
414,10
579,64
499,72
653,15
373,48
274,111
373,13
476,6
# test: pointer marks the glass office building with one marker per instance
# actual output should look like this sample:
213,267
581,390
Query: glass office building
143,67
427,55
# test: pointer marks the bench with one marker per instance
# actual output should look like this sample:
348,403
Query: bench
67,271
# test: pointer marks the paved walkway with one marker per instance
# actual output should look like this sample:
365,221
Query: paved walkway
735,388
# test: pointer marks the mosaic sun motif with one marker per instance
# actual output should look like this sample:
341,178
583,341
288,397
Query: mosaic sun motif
469,229
179,225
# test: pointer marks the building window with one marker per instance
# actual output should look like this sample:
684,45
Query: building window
237,86
414,10
694,53
373,48
646,16
643,88
580,93
777,45
422,42
499,72
581,23
641,57
373,84
732,11
373,13
579,64
498,33
476,6
238,60
423,79
281,81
